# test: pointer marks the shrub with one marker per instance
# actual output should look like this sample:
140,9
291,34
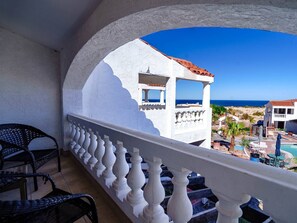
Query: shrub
258,113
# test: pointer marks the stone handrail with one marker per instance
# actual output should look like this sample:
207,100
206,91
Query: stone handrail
101,149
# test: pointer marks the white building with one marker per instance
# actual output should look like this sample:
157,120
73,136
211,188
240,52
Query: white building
281,114
138,68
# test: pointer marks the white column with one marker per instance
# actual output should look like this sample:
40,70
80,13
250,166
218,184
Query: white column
81,140
120,170
179,199
170,106
228,207
146,95
93,145
139,95
154,194
108,161
76,138
162,94
206,95
136,180
86,156
99,152
72,133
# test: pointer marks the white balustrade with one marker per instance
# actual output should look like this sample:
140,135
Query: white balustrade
80,139
99,152
75,138
154,194
93,145
108,161
229,208
136,180
187,118
179,199
231,179
120,170
72,134
86,144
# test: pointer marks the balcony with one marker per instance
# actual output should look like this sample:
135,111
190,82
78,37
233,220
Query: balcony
73,179
101,148
280,115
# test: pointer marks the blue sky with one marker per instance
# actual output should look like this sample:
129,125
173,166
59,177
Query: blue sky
248,64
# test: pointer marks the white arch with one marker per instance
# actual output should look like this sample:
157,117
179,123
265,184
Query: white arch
141,23
133,21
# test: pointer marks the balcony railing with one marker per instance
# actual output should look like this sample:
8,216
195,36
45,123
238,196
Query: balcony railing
280,115
189,118
101,149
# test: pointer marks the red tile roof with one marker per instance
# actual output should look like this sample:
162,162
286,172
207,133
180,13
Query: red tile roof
192,67
187,64
289,103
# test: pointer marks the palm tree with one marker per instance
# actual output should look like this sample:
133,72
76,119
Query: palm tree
234,129
251,120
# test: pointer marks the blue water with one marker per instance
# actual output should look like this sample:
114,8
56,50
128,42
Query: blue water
290,148
235,103
238,147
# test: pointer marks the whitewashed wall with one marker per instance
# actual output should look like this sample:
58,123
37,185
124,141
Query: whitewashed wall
105,99
29,84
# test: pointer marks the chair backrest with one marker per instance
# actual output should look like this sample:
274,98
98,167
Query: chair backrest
20,134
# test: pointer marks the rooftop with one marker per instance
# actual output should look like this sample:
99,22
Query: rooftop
187,64
288,103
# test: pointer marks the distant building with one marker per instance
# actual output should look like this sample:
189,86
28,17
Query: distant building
281,114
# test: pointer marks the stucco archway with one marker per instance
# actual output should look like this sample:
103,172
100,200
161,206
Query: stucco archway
250,15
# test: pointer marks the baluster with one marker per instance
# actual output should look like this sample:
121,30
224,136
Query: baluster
179,199
136,180
80,140
82,150
72,133
93,145
76,138
86,156
154,194
108,160
99,152
228,207
120,170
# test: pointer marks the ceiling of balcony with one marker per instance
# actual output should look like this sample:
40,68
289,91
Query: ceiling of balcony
50,22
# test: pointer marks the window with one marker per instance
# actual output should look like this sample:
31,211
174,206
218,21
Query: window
290,111
279,111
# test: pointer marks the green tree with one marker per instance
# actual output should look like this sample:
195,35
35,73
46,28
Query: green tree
234,129
217,111
245,142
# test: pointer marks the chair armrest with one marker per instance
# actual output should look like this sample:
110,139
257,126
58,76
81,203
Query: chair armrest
5,175
10,209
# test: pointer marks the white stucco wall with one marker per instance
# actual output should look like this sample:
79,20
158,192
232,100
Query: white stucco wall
105,99
29,84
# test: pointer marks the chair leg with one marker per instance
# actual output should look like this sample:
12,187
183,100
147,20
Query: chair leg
35,178
59,161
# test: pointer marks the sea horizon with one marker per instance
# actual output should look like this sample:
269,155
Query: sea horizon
227,103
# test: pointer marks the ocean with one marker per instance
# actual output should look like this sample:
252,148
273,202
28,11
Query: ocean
235,103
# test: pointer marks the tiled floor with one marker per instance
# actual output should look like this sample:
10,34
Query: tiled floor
74,180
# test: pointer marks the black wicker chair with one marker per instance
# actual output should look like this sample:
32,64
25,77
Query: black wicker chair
15,150
57,206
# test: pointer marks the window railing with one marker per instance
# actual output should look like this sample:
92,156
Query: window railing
280,115
101,148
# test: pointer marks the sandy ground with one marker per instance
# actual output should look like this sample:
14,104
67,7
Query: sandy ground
239,111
